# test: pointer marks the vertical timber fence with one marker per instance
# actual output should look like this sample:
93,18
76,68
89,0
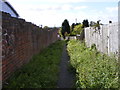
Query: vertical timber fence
105,38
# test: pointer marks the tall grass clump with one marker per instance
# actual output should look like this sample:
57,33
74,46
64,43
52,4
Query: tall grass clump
41,72
93,69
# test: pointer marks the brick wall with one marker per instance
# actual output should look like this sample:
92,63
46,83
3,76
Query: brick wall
20,41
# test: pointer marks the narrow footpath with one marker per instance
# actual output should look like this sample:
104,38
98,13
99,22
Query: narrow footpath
66,78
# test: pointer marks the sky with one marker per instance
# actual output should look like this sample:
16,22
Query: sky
53,12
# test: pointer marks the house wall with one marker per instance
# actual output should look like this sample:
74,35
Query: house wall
105,39
20,41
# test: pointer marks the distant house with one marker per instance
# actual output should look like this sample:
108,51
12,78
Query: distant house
7,7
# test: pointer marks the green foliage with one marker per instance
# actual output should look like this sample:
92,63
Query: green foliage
92,23
60,32
41,71
94,70
46,27
77,29
95,25
65,28
85,23
72,26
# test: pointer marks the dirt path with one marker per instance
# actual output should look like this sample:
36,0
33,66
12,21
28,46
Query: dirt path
66,78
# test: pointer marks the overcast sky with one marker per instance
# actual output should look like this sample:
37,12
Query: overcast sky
53,12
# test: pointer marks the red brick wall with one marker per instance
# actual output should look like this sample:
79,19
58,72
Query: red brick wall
20,41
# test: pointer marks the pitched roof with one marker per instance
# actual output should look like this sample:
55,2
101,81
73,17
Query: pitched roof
10,6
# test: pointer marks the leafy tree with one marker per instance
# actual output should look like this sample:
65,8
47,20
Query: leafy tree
73,25
65,28
46,27
77,29
77,23
85,23
92,23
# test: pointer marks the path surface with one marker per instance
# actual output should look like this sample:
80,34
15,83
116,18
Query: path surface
66,78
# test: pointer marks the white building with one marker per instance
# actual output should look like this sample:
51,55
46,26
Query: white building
5,6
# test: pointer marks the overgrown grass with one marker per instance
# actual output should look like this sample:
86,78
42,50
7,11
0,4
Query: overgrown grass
41,71
93,69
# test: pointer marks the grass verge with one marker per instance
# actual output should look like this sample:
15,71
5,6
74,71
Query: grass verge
93,69
41,72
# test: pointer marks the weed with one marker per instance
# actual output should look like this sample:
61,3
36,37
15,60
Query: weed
93,69
41,71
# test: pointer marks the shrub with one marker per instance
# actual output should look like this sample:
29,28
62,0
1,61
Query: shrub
77,29
94,70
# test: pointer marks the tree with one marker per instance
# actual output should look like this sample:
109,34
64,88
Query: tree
85,23
73,25
65,28
46,27
77,29
92,23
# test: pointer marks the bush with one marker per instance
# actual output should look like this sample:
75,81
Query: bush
94,70
60,32
77,30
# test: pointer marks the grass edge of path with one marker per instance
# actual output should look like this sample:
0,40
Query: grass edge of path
42,70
